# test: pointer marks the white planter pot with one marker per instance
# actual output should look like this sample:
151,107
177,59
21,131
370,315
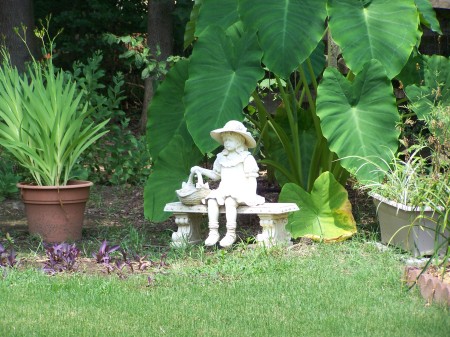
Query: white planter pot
395,225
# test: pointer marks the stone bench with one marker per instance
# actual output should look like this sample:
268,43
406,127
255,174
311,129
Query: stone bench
273,218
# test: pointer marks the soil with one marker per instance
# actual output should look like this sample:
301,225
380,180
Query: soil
108,206
112,206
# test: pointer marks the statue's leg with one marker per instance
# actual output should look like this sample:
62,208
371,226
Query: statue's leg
213,223
231,214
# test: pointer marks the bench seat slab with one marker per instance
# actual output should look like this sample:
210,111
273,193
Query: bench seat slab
273,218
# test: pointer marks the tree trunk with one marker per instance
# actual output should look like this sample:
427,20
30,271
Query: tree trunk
160,33
148,95
15,13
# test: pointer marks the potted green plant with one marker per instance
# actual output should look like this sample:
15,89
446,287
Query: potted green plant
401,198
42,124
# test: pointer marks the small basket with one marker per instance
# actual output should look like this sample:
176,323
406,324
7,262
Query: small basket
191,194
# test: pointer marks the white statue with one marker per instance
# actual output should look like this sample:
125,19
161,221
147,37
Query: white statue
237,171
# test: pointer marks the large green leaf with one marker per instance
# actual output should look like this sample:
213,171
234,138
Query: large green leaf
325,213
221,13
358,118
288,30
412,72
223,72
170,169
384,30
436,89
189,32
166,111
428,15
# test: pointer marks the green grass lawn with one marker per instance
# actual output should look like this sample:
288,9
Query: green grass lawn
346,289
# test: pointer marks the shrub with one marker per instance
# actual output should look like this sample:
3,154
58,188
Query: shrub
8,178
120,157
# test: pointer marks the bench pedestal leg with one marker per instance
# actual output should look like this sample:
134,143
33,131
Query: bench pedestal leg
273,230
188,229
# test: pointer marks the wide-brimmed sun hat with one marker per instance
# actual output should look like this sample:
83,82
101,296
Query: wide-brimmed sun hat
236,127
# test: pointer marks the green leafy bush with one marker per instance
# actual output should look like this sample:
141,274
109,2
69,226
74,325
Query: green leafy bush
438,196
120,157
8,178
138,55
85,21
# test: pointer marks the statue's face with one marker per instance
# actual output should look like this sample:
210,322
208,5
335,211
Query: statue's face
232,140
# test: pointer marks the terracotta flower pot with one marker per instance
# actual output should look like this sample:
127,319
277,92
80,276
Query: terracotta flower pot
56,213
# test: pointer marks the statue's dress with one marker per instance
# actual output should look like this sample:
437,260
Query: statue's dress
236,174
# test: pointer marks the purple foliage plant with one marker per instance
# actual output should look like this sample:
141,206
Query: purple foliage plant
61,257
7,257
102,256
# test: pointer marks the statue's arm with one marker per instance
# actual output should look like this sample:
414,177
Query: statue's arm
213,175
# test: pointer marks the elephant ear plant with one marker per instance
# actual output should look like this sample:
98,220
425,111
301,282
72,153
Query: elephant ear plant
313,135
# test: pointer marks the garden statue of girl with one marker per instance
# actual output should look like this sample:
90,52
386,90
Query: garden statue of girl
237,171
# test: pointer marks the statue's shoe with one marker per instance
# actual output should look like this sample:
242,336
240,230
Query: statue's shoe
228,240
212,239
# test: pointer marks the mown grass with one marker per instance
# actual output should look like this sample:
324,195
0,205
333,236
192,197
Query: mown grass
346,289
